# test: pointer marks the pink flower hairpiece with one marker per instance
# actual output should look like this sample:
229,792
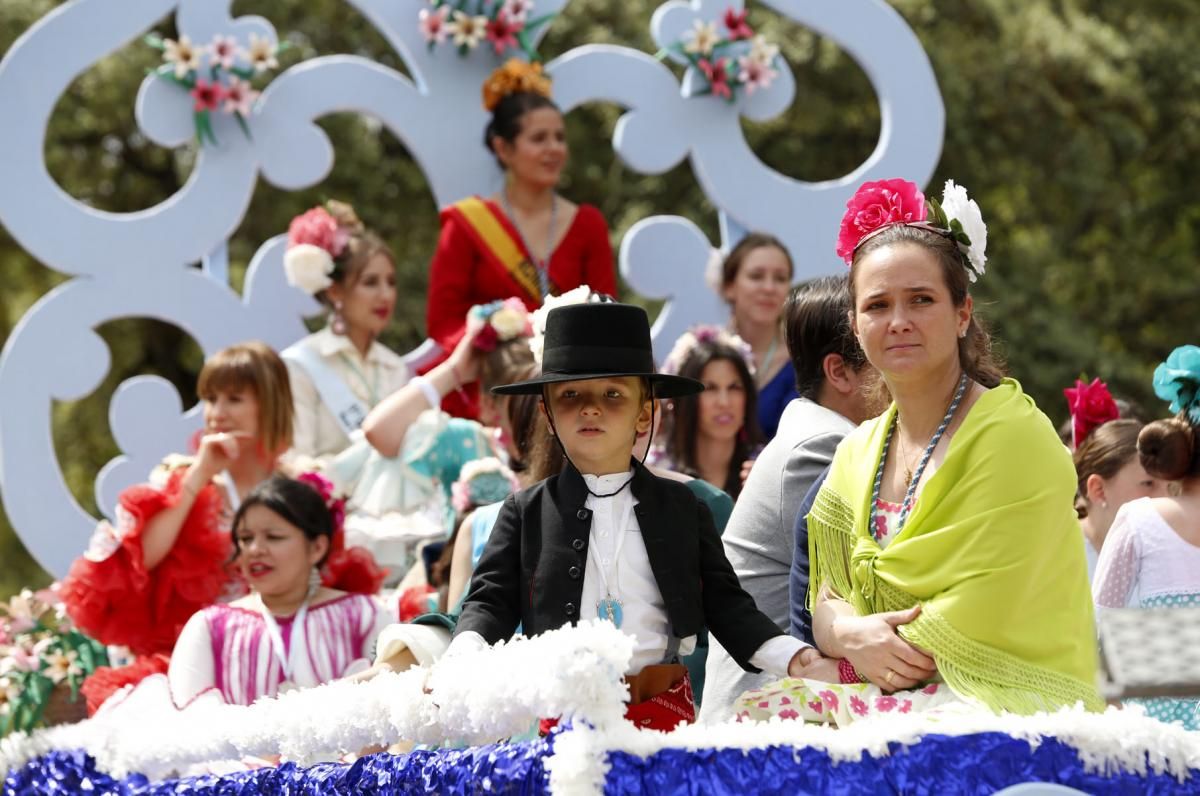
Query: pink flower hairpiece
878,205
1091,406
699,335
335,503
315,241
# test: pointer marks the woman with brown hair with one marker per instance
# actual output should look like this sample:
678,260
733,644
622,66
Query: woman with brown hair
1151,558
1110,475
711,435
341,372
754,280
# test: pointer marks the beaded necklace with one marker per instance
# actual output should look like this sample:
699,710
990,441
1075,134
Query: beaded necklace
906,505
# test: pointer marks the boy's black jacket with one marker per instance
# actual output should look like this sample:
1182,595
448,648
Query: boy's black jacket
531,571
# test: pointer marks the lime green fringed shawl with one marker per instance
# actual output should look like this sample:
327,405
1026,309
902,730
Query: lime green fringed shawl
991,550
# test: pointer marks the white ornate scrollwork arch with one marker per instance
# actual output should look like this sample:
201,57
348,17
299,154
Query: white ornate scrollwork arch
136,264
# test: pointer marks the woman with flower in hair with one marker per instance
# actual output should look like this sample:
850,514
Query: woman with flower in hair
754,279
292,630
945,557
169,553
341,372
525,240
1108,471
711,435
1151,558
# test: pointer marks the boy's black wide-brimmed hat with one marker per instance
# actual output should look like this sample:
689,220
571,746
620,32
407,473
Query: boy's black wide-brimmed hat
595,341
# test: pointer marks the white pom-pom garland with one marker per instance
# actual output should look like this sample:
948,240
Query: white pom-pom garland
573,673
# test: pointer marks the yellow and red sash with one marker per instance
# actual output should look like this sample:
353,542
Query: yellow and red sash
498,243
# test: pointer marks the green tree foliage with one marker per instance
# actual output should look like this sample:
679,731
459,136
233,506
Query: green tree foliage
1074,123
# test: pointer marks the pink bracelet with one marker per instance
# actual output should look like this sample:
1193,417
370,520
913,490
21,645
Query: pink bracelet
848,674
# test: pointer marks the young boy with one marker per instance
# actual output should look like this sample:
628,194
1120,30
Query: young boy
606,538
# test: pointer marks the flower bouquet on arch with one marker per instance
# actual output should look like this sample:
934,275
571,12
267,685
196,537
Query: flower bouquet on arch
507,25
729,56
219,75
43,661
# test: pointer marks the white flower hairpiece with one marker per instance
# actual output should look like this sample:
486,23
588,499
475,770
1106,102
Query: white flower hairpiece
705,333
580,295
961,216
714,270
308,267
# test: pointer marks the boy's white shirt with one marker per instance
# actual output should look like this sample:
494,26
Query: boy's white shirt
645,614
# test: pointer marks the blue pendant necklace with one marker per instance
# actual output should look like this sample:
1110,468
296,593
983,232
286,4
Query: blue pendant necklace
906,506
609,606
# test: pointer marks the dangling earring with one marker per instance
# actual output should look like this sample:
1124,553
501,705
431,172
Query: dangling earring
338,324
314,580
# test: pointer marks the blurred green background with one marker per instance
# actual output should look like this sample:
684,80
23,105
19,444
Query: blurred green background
1075,125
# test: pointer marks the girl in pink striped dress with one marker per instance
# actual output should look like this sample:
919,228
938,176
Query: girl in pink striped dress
290,631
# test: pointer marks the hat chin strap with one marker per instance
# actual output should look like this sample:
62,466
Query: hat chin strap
567,456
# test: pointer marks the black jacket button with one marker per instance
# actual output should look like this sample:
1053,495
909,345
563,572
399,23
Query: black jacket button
577,544
569,609
583,514
575,573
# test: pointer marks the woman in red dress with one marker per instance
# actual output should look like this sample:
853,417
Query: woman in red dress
525,240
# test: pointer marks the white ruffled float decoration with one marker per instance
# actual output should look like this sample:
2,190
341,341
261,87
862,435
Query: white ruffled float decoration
482,697
474,698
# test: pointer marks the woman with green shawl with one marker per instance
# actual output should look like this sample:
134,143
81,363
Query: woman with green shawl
945,563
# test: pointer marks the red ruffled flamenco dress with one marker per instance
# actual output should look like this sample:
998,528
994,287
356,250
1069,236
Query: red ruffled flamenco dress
112,596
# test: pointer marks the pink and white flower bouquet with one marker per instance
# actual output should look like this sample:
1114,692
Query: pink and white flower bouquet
505,25
217,75
40,651
730,56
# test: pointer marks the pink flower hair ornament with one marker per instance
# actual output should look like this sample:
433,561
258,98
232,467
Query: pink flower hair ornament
315,242
1091,406
702,334
351,569
878,205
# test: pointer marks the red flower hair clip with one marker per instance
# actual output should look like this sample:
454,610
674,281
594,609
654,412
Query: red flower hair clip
1091,406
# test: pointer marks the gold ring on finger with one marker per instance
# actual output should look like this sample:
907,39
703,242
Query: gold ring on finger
887,678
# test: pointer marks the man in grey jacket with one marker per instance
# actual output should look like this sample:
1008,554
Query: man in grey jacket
830,377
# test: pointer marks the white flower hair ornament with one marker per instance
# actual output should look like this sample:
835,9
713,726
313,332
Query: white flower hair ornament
878,205
706,333
959,214
714,270
580,295
315,241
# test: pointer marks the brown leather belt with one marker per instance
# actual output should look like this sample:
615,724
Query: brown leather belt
654,680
